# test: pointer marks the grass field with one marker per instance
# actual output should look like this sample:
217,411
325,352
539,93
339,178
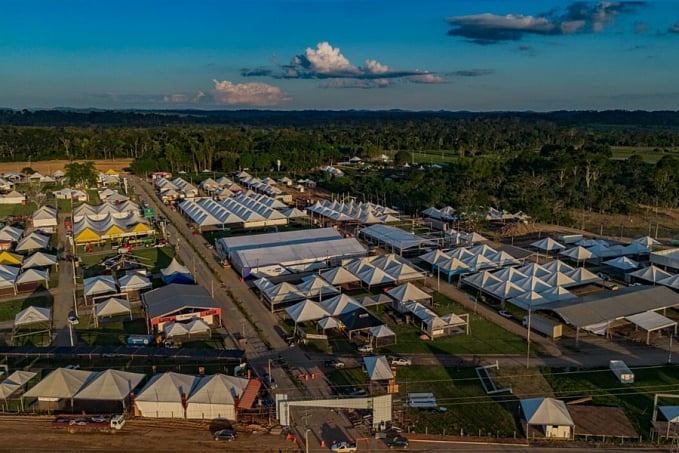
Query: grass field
605,389
8,309
647,153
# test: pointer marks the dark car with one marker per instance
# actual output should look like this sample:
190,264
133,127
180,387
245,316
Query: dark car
397,442
225,434
334,363
72,318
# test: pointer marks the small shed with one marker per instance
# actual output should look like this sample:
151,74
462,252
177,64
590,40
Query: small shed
621,371
549,416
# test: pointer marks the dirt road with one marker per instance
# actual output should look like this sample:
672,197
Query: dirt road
28,434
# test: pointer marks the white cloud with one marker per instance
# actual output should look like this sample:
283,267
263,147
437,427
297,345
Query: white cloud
374,67
256,94
426,78
326,60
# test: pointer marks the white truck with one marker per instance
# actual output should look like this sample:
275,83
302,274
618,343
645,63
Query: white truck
544,326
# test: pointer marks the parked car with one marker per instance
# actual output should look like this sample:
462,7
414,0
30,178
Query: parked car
505,314
400,360
343,447
72,318
334,363
365,348
397,442
225,434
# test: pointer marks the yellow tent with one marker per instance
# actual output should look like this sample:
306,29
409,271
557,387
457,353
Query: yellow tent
141,228
87,235
11,258
114,230
111,172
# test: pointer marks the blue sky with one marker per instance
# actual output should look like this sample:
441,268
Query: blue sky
340,54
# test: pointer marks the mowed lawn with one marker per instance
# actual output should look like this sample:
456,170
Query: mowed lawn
9,309
605,390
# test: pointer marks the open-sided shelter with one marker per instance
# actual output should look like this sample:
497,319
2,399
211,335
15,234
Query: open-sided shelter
34,319
109,386
58,389
550,416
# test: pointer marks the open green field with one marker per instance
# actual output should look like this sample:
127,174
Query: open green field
647,153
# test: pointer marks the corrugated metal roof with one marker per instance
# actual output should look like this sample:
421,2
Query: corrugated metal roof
609,306
174,297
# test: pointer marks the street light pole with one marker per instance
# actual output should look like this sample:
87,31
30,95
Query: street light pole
306,440
530,307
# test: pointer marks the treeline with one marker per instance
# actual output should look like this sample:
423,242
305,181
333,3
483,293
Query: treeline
545,164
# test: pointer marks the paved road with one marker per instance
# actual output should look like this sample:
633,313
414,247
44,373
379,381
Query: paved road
63,295
264,348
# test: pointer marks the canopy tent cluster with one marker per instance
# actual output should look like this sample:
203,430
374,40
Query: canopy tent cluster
464,260
132,225
366,213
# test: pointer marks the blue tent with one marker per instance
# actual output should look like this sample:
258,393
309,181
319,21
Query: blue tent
176,273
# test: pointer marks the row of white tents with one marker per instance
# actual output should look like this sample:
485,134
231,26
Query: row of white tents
181,187
351,211
166,395
246,209
105,210
464,260
369,271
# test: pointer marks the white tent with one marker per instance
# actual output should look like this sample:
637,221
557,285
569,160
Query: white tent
111,385
61,383
39,259
559,279
328,323
408,292
33,241
647,241
583,276
306,310
650,274
671,281
101,284
510,274
176,273
315,287
11,234
557,293
45,217
535,269
550,415
558,266
382,336
636,249
578,254
547,245
533,284
134,282
8,275
111,307
622,263
340,304
378,368
215,396
283,292
175,329
434,257
32,315
29,276
478,262
339,276
505,290
527,300
162,396
375,276
198,326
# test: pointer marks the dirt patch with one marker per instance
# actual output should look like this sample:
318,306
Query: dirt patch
50,166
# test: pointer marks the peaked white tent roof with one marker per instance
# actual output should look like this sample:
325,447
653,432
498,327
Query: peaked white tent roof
112,306
578,254
8,275
505,290
32,315
283,292
339,276
671,281
622,262
10,233
481,280
434,257
316,286
647,241
306,310
218,389
558,266
636,249
546,411
375,276
31,276
528,299
19,377
33,241
197,325
167,387
533,284
328,323
175,268
452,265
134,282
559,279
100,284
341,304
511,274
547,245
651,274
111,385
557,293
381,331
408,292
39,259
174,329
378,368
535,269
61,383
583,276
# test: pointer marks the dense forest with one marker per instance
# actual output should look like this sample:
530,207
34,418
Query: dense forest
546,164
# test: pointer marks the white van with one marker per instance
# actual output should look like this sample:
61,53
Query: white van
117,421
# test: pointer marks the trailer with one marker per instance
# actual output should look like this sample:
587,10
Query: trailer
544,326
621,371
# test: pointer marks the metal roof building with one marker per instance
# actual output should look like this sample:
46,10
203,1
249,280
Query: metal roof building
177,302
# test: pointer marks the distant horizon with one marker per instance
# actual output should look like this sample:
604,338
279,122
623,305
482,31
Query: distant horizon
338,55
